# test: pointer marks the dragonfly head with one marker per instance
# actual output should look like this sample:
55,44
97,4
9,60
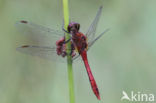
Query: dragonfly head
73,27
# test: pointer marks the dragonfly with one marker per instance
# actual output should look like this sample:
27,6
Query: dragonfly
50,43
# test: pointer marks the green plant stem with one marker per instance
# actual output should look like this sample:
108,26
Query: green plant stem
68,47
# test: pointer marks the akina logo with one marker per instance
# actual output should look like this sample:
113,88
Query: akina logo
137,97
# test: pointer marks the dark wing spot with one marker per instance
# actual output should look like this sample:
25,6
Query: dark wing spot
23,21
25,46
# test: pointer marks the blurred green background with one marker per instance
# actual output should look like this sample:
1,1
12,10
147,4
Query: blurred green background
123,59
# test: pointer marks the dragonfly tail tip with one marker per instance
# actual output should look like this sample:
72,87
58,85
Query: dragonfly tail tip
98,97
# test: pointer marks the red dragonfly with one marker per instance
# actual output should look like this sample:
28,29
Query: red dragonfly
52,47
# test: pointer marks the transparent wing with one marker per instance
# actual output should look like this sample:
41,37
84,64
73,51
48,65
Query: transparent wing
92,29
40,35
91,43
77,57
44,37
42,52
98,37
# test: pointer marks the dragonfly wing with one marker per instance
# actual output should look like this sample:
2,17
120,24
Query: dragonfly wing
41,51
92,29
98,37
91,43
39,35
76,57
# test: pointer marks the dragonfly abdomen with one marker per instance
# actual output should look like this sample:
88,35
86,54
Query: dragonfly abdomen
90,75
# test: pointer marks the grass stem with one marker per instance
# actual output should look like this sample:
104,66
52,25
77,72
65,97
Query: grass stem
68,47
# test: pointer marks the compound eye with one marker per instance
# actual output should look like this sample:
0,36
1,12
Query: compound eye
78,26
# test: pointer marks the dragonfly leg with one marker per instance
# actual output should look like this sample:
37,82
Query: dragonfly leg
64,30
67,41
72,53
